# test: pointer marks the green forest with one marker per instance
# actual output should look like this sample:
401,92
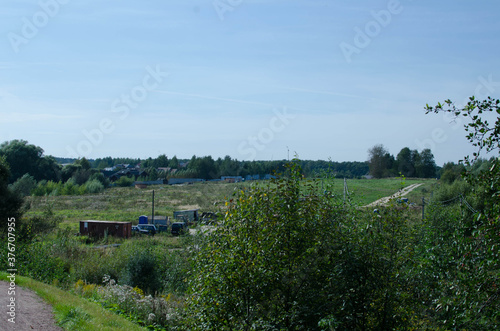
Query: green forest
283,254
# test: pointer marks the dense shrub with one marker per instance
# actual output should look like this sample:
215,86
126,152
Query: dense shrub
40,261
101,178
290,257
124,181
93,264
141,270
94,186
24,185
69,188
448,193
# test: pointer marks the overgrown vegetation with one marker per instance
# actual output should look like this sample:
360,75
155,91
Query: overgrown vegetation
288,254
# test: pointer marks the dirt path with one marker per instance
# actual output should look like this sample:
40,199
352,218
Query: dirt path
401,193
31,312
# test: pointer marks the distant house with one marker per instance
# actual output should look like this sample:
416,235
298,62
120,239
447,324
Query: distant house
125,166
100,229
129,172
232,179
177,181
145,184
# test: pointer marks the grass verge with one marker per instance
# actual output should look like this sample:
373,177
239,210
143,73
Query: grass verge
72,312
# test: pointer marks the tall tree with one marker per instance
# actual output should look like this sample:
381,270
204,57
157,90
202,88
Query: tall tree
259,269
204,167
174,162
161,161
10,202
405,162
84,163
451,172
24,158
379,161
427,166
474,304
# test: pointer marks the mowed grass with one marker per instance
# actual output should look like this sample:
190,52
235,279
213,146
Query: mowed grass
365,191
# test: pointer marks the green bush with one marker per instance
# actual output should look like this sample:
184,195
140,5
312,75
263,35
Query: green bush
101,178
141,270
39,261
94,186
24,185
268,264
69,188
124,181
447,192
93,264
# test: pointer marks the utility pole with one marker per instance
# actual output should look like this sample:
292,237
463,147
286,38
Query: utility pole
153,211
346,192
423,207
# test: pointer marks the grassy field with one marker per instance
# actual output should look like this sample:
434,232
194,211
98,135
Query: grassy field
365,191
127,204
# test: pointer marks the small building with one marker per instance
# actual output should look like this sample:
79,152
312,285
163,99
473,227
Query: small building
98,229
158,220
188,216
232,179
145,184
179,181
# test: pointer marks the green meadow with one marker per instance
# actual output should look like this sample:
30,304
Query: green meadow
128,203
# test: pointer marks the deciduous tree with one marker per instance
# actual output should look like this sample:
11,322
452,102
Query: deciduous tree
266,266
473,297
10,202
380,161
24,158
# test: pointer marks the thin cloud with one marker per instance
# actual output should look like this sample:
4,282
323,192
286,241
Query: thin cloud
27,117
199,96
325,92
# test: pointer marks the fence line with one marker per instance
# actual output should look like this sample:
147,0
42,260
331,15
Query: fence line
458,197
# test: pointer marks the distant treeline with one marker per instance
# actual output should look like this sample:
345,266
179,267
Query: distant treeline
207,167
26,159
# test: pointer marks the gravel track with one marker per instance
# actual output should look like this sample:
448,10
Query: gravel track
31,312
401,193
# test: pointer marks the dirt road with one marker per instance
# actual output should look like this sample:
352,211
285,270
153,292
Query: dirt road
31,312
383,201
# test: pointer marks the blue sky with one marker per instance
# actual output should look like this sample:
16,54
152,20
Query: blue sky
249,79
